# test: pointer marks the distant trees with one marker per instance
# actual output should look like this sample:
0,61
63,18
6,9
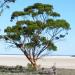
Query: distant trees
35,31
5,4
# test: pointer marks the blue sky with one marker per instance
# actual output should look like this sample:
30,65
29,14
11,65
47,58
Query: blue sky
67,10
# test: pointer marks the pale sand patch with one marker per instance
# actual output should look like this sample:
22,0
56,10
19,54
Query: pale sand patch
47,62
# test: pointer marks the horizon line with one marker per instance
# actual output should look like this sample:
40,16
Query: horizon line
47,55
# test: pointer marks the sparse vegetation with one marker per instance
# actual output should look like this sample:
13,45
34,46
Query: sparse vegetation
65,71
19,70
30,67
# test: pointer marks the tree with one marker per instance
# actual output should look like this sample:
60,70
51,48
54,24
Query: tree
36,32
4,3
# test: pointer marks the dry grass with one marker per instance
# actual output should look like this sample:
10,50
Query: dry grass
58,72
65,71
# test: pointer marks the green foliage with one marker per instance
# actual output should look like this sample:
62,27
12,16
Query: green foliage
18,67
59,23
30,67
55,14
62,23
18,13
50,44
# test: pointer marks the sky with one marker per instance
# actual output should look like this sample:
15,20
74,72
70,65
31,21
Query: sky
67,10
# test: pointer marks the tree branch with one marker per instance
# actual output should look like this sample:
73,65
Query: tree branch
41,51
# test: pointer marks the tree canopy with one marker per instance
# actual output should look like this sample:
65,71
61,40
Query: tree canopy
36,29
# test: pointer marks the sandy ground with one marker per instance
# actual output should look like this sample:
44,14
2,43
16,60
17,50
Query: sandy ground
59,61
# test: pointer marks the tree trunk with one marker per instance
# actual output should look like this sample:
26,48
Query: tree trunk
34,65
32,60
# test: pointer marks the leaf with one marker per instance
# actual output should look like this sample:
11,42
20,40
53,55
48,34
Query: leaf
18,13
55,14
60,23
51,46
